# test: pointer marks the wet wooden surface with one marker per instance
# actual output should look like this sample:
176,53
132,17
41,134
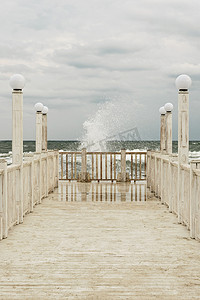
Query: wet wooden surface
99,250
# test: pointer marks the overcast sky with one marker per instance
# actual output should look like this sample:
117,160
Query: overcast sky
76,55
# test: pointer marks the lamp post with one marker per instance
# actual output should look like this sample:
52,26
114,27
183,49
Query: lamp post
38,145
183,82
44,128
168,123
162,112
17,83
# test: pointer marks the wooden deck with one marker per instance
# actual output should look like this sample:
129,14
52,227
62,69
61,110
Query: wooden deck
88,249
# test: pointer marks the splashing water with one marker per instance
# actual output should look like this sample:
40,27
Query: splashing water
112,118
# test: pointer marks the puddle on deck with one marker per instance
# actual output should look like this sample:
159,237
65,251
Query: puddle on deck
104,191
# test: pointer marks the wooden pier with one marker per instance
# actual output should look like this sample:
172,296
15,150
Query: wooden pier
99,250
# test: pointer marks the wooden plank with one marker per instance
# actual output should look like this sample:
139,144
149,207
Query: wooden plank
111,166
92,166
145,165
72,166
97,166
101,166
140,167
131,166
115,166
67,166
106,161
61,166
135,166
131,192
75,170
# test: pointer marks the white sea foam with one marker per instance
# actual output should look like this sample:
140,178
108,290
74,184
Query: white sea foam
108,123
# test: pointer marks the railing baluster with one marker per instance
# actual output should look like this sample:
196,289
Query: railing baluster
115,167
104,170
131,166
92,166
97,167
105,166
111,166
61,166
71,166
101,166
75,171
67,166
135,167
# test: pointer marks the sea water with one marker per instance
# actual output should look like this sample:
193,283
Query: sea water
29,146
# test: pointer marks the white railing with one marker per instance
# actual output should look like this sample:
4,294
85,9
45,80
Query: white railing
178,186
21,188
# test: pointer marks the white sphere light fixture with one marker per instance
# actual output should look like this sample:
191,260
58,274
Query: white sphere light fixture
39,107
17,82
168,107
183,82
45,110
162,110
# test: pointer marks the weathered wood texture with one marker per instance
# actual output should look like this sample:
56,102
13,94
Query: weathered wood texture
178,186
103,166
34,180
99,250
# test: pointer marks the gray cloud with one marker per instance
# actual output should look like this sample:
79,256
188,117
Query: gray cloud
77,54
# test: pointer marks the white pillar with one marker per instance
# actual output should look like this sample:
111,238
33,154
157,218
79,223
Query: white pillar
162,128
168,117
183,82
44,128
17,127
38,145
44,138
168,127
183,126
17,82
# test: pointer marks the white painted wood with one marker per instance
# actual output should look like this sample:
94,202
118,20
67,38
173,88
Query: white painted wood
183,127
162,133
183,142
38,143
30,157
168,117
123,165
83,165
17,127
4,208
44,132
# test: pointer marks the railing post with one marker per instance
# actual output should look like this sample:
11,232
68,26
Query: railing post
30,157
4,217
84,176
193,199
148,169
123,165
57,167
